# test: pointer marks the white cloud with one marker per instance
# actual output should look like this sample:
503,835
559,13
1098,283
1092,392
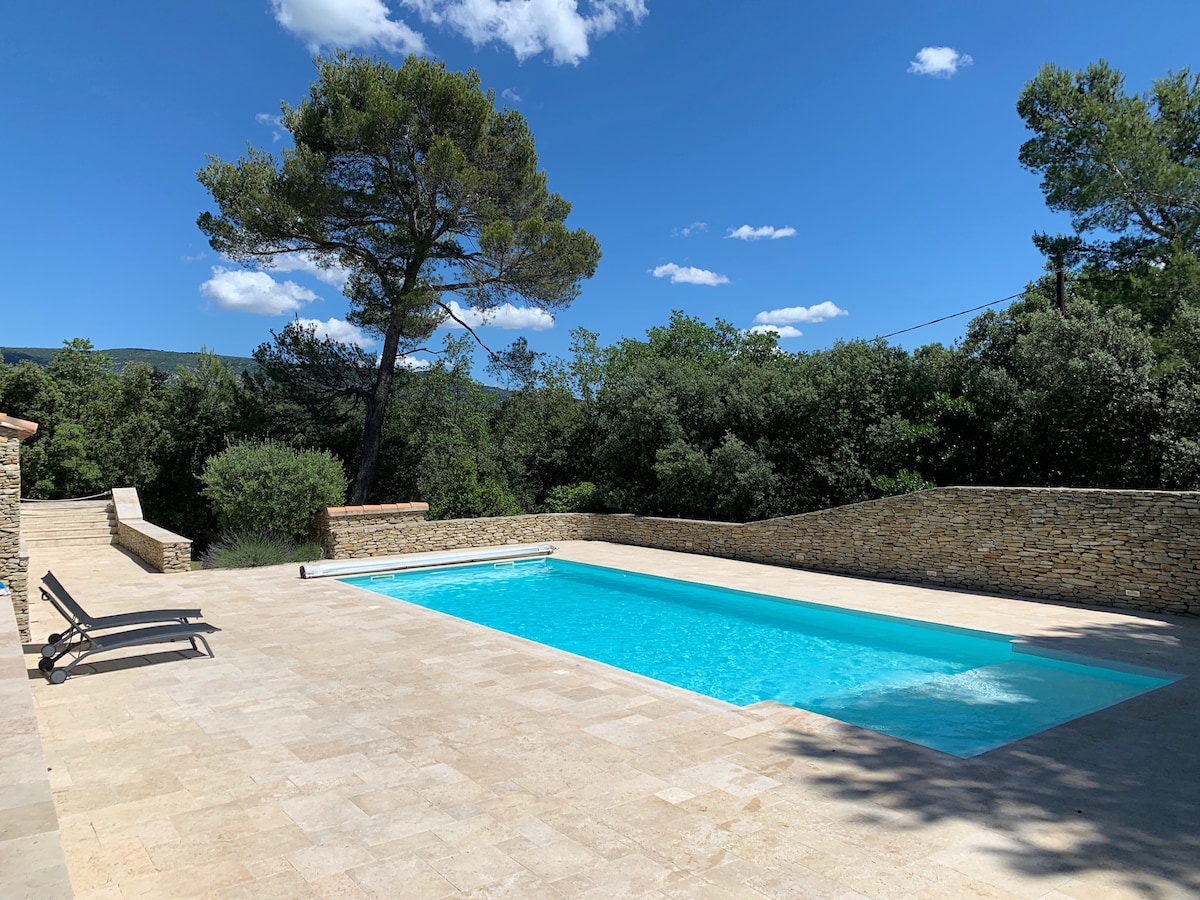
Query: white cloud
413,362
302,262
256,292
276,123
689,230
505,316
528,27
339,330
511,95
688,275
346,23
749,233
783,331
789,314
940,62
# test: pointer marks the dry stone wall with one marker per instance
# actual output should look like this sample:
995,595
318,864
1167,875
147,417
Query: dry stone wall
14,563
1127,549
164,550
157,547
359,532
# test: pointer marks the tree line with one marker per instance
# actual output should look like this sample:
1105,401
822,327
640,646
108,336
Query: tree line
415,185
696,420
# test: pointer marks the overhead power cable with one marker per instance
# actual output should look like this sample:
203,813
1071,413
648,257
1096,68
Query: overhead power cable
952,315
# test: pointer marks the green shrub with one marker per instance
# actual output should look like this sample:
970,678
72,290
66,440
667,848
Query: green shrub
247,549
272,487
257,547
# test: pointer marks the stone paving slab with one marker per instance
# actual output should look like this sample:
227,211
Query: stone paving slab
32,863
342,744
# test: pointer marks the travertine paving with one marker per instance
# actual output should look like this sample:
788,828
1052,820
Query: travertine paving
345,745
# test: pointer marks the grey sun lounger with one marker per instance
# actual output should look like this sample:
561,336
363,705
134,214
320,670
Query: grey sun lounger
81,623
81,638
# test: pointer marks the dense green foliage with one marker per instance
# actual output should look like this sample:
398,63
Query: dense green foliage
1127,170
416,184
1092,379
696,420
101,429
272,487
1125,165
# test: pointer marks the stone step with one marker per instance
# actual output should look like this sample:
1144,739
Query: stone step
104,541
45,522
40,537
68,523
55,507
68,515
68,530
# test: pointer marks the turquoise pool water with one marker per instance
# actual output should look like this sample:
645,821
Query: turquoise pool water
961,692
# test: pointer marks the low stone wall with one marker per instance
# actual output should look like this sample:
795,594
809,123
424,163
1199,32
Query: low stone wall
162,549
353,532
1128,549
683,535
362,535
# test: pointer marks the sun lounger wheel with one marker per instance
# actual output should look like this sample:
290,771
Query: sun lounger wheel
57,676
45,665
54,638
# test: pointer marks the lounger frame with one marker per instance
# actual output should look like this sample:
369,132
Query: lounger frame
87,634
81,623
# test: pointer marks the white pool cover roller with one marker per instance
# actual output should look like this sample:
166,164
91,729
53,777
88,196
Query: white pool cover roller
422,560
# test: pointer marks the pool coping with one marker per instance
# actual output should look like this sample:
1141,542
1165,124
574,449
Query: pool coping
1017,645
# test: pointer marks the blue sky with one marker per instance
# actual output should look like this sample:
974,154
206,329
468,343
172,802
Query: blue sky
837,171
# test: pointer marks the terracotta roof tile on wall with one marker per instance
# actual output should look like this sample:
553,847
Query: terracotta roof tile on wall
377,508
22,427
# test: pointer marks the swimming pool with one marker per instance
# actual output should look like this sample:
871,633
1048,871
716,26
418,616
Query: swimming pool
962,692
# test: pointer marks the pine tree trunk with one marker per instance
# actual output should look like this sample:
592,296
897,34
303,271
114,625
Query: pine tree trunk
368,459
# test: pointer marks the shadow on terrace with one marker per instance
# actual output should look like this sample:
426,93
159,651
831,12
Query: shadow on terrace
1106,793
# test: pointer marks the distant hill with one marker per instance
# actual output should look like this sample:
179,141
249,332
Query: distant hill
163,360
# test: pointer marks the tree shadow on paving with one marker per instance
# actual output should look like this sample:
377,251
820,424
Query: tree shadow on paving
1114,793
1154,641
